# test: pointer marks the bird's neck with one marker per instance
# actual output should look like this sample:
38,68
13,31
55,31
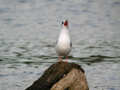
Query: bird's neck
64,30
65,27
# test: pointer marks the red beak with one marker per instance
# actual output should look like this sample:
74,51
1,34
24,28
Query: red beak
66,23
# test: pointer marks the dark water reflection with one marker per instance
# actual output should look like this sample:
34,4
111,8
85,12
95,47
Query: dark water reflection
28,32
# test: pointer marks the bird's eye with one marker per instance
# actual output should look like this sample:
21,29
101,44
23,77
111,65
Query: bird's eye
62,22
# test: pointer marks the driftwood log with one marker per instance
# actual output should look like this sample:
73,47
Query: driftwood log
61,76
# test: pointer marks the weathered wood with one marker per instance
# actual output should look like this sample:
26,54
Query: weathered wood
74,80
61,76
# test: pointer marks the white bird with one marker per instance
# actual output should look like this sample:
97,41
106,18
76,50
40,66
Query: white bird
64,44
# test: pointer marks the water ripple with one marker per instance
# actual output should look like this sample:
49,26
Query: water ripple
29,29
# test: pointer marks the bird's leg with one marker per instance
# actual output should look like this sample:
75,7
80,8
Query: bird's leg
60,58
66,59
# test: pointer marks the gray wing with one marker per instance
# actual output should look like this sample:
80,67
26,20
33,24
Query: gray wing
70,44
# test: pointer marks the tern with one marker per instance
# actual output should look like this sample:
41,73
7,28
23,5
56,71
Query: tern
64,44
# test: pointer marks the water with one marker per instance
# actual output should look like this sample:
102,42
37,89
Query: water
28,32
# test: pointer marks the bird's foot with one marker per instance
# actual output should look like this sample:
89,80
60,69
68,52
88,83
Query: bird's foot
66,60
59,59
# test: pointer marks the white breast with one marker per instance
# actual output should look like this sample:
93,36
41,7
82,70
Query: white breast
63,46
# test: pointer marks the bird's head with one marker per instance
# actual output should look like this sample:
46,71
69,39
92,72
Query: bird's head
65,23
